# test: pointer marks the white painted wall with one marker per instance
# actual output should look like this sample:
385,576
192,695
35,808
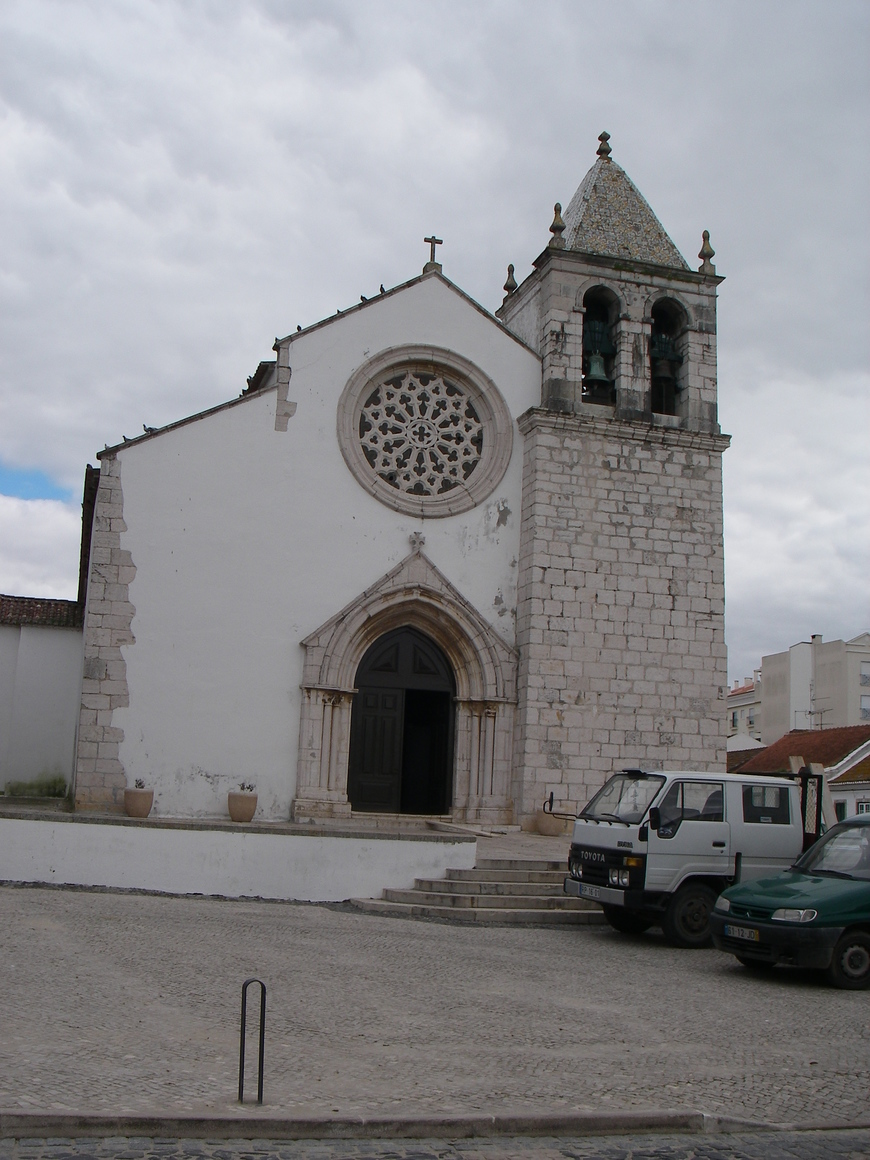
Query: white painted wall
851,793
40,692
231,863
246,539
800,660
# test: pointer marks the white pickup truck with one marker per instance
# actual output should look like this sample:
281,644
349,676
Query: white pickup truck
657,848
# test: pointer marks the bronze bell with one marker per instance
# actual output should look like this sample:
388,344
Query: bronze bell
596,373
665,369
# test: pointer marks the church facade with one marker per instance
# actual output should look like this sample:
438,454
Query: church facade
433,561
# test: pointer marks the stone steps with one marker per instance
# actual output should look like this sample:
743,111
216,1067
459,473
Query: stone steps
502,892
480,901
484,917
542,877
459,887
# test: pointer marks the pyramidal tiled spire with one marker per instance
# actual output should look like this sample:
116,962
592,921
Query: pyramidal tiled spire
608,215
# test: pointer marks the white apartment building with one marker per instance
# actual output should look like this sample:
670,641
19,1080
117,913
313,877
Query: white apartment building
744,707
815,684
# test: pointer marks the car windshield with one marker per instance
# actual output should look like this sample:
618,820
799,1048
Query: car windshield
624,798
843,853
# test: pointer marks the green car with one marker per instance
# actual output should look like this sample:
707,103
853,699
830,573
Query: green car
816,914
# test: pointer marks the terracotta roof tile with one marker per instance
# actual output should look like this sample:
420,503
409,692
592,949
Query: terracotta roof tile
36,610
738,758
859,772
827,746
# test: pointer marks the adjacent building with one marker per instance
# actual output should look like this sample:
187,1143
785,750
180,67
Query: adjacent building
844,752
40,692
744,708
815,684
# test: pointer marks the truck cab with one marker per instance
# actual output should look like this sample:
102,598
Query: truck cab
656,848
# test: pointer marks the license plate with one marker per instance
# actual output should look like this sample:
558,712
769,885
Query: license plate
745,932
590,891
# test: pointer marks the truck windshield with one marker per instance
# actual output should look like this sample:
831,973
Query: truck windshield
624,798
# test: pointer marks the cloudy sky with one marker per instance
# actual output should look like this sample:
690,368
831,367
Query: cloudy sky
182,182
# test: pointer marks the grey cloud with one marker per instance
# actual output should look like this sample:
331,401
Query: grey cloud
182,182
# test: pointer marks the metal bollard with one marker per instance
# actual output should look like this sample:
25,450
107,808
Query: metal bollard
245,986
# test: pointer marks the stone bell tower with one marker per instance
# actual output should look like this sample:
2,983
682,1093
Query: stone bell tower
620,611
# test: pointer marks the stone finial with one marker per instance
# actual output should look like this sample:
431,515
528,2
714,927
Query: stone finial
511,283
604,149
705,254
557,242
417,541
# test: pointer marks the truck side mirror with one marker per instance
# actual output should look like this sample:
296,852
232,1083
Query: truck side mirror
655,817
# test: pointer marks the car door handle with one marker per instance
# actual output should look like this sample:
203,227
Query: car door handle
719,845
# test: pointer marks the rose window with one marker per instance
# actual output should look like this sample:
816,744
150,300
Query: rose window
424,431
421,433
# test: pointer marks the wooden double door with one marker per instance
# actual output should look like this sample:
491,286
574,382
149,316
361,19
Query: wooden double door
401,737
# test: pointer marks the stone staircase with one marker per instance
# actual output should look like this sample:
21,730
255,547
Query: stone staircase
497,892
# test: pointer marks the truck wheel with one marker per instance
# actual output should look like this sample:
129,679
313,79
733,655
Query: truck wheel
626,921
687,919
850,966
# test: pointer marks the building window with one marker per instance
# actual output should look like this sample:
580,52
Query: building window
865,708
734,719
420,432
424,431
865,672
840,810
862,808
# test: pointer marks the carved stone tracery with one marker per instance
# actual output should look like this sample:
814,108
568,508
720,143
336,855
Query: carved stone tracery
424,431
420,432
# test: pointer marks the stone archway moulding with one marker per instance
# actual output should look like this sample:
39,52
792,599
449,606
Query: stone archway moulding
417,595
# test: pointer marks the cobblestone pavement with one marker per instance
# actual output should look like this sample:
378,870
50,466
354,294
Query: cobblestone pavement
129,1004
844,1145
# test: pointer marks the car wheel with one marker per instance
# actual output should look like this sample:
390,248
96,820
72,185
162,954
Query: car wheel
754,964
626,921
687,919
850,966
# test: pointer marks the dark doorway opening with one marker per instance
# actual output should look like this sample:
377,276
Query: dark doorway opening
401,736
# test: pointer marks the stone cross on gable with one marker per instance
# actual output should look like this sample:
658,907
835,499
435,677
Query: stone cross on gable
432,264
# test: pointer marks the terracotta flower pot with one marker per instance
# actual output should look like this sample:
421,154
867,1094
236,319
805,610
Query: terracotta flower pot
241,805
138,802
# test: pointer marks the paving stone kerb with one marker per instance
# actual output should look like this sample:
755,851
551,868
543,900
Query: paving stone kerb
122,1004
830,1144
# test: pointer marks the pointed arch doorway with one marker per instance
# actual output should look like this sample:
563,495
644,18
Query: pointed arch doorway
402,727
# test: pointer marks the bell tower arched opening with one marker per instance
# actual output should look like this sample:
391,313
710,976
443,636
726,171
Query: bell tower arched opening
402,727
601,311
666,357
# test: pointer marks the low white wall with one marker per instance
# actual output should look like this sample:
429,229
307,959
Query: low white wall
40,696
232,863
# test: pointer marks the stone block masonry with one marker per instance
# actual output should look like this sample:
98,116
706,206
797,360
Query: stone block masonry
620,617
100,779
